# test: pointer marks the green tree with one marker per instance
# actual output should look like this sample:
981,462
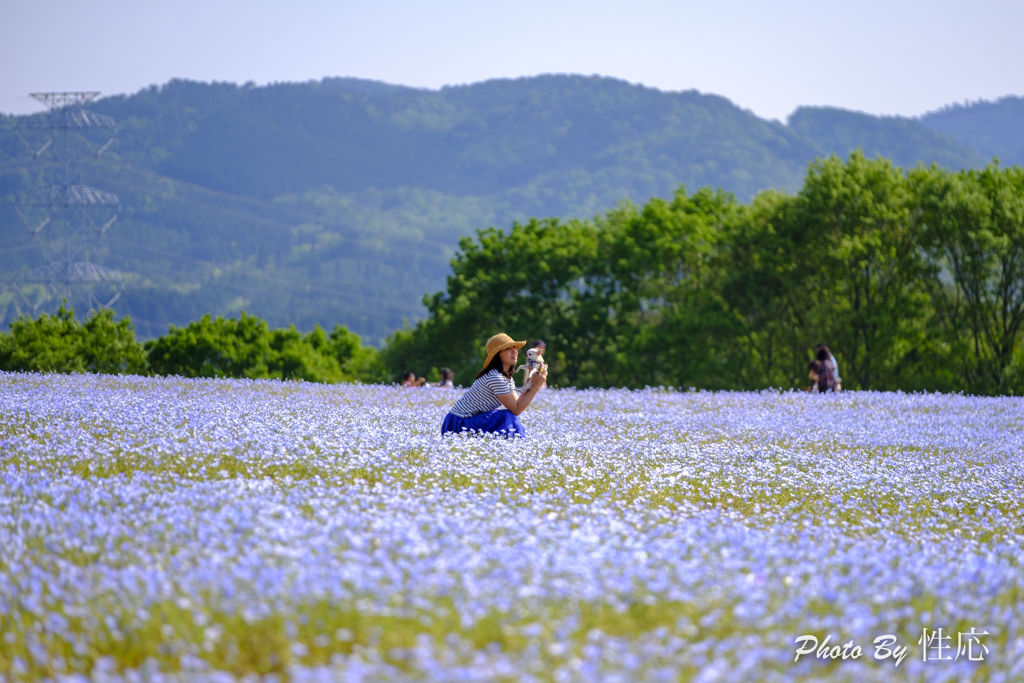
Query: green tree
766,263
294,356
246,347
975,233
59,343
915,281
673,327
626,300
213,348
543,279
358,362
865,267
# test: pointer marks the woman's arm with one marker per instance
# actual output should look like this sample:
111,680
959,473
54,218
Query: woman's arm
517,403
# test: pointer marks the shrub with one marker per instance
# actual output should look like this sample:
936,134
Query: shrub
59,343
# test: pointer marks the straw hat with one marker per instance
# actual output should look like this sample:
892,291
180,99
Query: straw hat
500,342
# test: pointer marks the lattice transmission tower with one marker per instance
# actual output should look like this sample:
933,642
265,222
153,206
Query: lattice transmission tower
66,214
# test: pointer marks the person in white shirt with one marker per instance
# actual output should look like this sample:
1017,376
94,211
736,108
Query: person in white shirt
446,379
409,380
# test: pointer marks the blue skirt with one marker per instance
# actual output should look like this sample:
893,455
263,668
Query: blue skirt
498,421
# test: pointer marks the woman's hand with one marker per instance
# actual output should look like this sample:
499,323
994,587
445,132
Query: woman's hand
517,403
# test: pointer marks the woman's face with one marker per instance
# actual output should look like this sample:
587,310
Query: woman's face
509,356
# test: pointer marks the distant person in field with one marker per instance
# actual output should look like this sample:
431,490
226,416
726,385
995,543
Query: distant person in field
447,377
492,405
826,371
409,380
814,372
837,382
541,347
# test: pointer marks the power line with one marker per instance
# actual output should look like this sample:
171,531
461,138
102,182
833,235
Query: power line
20,237
33,245
5,168
65,208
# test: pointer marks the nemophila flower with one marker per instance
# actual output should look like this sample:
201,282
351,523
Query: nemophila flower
229,527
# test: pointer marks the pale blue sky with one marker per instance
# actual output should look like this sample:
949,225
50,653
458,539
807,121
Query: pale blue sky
887,57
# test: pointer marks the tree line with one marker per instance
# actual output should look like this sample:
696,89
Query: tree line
914,279
210,347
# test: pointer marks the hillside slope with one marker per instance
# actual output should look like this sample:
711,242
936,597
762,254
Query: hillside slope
343,200
995,129
485,139
905,141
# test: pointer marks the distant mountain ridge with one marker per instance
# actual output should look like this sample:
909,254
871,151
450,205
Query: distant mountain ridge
342,200
484,139
905,141
994,129
493,137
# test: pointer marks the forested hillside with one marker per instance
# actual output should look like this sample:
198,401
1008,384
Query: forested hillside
342,201
904,141
995,129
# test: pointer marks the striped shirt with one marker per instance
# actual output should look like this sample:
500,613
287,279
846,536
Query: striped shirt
482,397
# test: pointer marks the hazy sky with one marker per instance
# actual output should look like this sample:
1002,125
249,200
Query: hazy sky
891,57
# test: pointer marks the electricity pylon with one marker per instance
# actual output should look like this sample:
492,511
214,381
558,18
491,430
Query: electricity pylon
66,213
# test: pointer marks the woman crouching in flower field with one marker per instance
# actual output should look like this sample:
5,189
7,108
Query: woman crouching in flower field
492,405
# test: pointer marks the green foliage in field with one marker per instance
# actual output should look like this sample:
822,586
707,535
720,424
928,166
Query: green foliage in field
974,230
59,343
247,347
915,280
210,347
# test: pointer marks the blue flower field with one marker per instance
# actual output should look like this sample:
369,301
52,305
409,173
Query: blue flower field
158,529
